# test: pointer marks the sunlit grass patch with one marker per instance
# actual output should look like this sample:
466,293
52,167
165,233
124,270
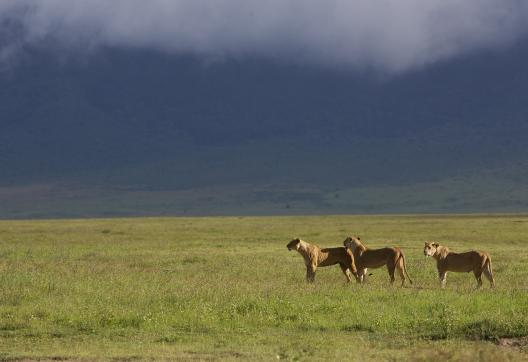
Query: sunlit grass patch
228,288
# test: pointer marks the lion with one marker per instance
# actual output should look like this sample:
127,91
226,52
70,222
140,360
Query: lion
315,257
365,258
476,261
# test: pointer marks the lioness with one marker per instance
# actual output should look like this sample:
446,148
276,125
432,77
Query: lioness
374,258
315,257
476,261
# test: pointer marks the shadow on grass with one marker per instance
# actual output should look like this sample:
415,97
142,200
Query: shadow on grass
357,328
482,330
490,331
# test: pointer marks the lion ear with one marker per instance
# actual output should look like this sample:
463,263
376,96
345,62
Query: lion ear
358,238
436,245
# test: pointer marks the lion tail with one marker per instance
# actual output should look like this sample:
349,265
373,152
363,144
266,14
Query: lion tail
489,265
402,255
490,270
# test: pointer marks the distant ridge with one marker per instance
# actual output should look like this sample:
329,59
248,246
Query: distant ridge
139,132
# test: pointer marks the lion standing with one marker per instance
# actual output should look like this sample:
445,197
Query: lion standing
365,258
476,261
315,257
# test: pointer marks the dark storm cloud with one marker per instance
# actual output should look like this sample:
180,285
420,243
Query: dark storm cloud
392,35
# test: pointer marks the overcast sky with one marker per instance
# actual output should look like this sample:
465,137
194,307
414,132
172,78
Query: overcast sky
390,35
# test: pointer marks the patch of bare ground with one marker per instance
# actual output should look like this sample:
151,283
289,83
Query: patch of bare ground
199,356
73,359
518,342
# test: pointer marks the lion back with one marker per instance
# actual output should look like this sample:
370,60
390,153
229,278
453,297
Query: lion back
339,255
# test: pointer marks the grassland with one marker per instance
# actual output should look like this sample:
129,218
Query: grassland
227,288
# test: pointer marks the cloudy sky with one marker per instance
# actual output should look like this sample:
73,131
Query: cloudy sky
391,35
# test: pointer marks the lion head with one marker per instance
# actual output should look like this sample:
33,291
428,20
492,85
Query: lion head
352,243
430,248
294,244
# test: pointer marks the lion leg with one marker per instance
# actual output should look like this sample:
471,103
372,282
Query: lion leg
346,271
488,273
402,275
478,275
361,275
442,276
479,279
390,269
364,275
310,273
400,265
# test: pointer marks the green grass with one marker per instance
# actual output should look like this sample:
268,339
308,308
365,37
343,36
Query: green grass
227,288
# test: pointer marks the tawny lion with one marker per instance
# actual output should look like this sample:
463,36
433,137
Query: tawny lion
476,261
315,257
365,258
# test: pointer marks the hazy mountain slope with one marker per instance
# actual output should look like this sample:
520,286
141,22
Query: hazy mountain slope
154,122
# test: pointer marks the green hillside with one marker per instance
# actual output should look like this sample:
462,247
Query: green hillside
132,132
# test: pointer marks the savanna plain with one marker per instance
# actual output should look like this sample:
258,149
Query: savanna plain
226,288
